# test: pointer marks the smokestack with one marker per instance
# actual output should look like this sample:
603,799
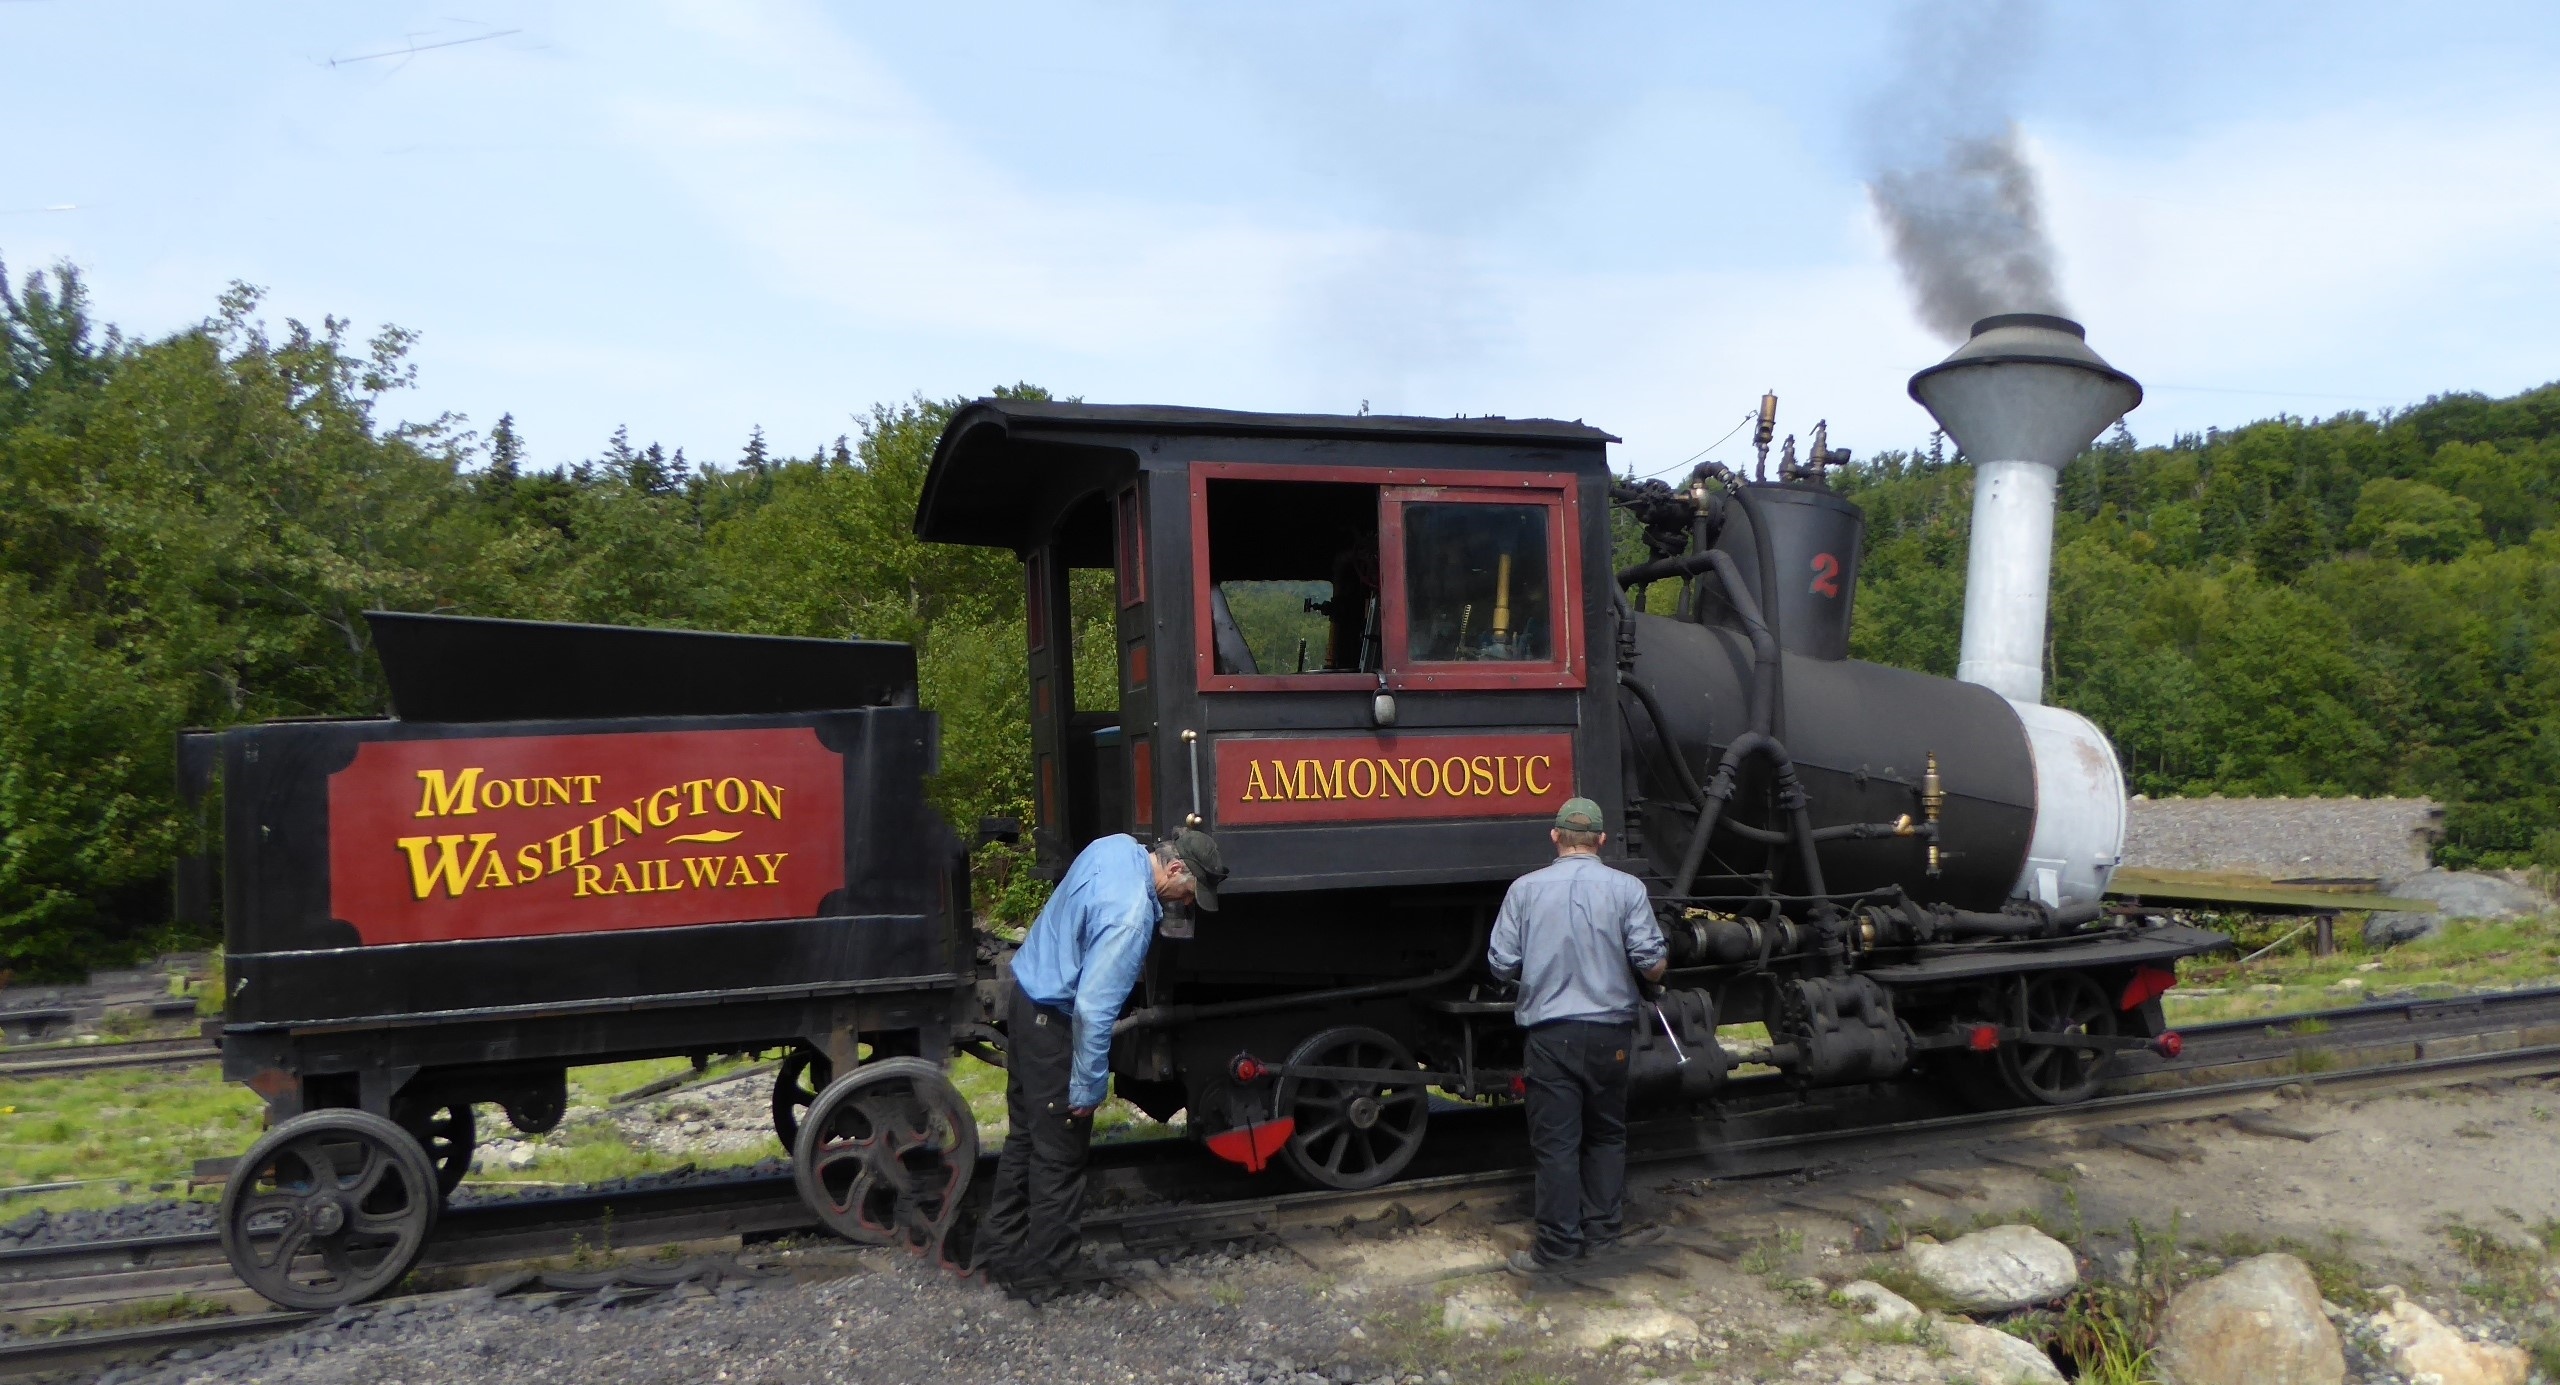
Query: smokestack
2021,398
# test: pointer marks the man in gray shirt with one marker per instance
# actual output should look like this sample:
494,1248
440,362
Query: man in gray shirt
1574,934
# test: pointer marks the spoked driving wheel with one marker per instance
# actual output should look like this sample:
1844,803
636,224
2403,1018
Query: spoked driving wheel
805,1072
2059,1003
885,1154
1352,1132
327,1209
444,1129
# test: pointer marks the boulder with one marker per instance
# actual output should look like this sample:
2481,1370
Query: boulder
2256,1323
2390,930
1997,1269
2418,1345
1878,1305
1994,1358
2470,894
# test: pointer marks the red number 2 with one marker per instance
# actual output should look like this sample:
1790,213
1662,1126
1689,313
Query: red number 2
1826,575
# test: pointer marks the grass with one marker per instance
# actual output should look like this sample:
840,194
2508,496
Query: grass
2506,1275
142,1313
122,1131
2475,954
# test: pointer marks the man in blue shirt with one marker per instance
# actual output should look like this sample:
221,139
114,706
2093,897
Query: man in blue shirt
1574,935
1071,977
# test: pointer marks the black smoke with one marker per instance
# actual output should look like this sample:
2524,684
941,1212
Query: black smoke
1956,196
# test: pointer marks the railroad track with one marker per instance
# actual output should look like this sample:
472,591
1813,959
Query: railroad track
58,1059
1160,1194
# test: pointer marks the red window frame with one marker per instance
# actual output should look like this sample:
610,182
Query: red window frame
1559,490
1564,551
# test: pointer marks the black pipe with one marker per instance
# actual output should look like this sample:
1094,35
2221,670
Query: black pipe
1766,558
1662,732
1156,1016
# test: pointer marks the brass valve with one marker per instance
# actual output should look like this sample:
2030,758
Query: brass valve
1933,798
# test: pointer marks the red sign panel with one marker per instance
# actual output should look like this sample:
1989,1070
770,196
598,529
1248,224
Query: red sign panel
513,836
1268,780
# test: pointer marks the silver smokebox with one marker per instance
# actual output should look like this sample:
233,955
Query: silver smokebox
2021,398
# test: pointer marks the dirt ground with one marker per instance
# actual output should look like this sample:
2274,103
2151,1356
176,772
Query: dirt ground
2451,1194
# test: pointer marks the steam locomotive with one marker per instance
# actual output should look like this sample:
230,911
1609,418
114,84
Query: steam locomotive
1372,654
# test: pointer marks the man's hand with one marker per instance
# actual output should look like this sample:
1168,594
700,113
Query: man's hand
1654,972
1080,1112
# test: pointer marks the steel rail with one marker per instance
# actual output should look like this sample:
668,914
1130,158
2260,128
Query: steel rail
2413,1042
137,1053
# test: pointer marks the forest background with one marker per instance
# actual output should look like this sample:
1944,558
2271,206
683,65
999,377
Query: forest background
191,526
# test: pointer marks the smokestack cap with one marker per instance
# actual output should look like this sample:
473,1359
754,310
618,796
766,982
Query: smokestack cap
2025,388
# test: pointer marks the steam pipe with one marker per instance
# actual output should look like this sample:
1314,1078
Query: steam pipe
1662,733
1791,796
1157,1016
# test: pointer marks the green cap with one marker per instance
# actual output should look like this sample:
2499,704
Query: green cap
1198,852
1580,815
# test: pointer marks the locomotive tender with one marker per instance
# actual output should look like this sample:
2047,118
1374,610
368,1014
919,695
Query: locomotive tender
1372,654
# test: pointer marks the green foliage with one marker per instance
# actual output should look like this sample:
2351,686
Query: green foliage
2355,605
192,527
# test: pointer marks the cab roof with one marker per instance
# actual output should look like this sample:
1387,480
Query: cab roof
991,468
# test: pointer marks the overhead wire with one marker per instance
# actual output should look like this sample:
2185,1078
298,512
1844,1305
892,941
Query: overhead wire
1747,416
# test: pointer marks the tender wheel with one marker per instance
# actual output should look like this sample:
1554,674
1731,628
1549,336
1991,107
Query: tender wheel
2060,1002
885,1154
805,1073
328,1208
444,1129
1350,1133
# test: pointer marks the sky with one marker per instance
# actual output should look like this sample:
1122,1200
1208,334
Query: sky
695,219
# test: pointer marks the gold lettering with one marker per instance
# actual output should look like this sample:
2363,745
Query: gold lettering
590,881
495,878
436,801
1311,777
554,791
739,874
1351,779
529,862
772,866
1502,767
586,786
659,867
1255,791
769,800
1415,768
627,818
1454,782
1528,774
662,814
1394,773
697,785
1481,770
1289,787
720,795
703,871
498,793
566,851
450,869
622,881
596,826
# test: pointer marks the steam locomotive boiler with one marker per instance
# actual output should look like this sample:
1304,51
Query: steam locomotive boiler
1375,654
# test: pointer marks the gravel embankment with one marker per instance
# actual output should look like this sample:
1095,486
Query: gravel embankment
894,1320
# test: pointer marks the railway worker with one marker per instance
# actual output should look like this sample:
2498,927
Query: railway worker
1071,977
1575,934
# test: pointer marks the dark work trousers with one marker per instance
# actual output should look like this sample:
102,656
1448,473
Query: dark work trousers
1030,1230
1578,1131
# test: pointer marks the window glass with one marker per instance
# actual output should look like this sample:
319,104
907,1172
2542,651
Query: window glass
1286,627
1476,583
1293,577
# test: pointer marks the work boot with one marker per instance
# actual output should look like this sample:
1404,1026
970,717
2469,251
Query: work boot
1528,1265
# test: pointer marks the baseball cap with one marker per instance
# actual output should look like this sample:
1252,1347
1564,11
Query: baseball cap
1198,851
1580,815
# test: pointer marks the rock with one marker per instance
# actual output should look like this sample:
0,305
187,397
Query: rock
1997,1269
520,1158
2470,894
1602,1326
2387,930
1878,1305
1476,1313
2418,1345
1995,1358
2257,1323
